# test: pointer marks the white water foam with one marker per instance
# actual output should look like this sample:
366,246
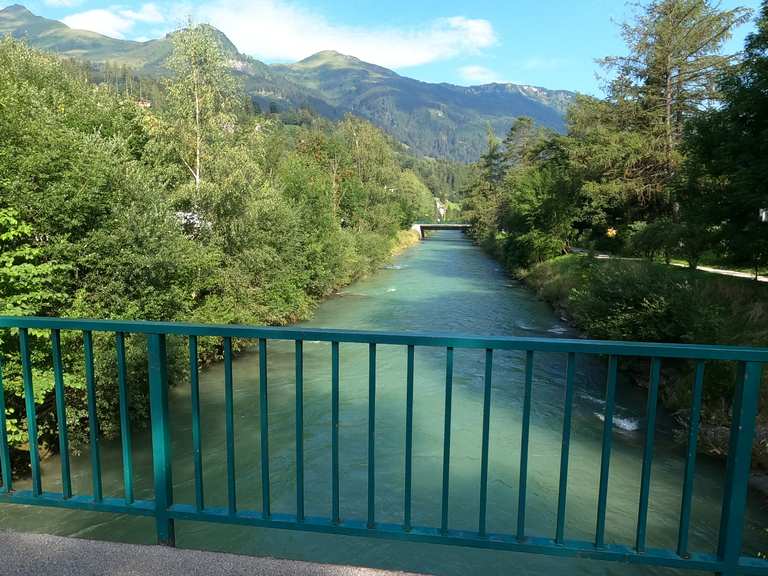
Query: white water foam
558,330
593,399
627,424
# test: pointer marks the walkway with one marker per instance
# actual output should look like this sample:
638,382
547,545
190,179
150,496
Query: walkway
41,555
723,271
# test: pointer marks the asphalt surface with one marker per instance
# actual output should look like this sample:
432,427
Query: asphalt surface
42,555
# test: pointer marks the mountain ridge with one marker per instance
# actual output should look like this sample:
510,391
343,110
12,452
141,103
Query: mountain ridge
432,119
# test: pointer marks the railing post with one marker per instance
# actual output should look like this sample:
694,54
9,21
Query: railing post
745,403
161,438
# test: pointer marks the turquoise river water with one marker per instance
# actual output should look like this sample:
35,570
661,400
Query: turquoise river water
444,284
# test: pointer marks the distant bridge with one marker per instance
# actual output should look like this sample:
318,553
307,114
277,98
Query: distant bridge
420,228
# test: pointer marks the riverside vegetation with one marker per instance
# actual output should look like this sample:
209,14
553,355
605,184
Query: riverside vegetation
198,211
672,163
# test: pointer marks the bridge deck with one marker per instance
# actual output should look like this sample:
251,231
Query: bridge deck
25,554
421,227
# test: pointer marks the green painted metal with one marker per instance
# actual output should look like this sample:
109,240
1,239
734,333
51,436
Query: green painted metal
408,438
447,439
93,420
335,432
61,413
728,559
161,440
440,340
690,461
524,438
197,438
645,477
29,401
125,421
371,435
5,455
605,459
264,427
485,441
570,373
229,425
299,360
739,459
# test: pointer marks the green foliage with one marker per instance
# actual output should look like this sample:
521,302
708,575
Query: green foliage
661,237
637,300
725,175
195,212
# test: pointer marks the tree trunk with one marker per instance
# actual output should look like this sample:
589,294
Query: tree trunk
198,136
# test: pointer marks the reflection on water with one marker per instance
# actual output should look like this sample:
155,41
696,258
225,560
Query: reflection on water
445,284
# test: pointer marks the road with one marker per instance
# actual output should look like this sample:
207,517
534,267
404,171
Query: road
42,555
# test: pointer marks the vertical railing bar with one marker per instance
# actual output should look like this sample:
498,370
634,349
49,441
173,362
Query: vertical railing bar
690,461
602,500
5,453
229,410
335,517
738,467
61,413
650,430
125,421
29,396
161,438
524,438
299,361
408,438
264,423
570,372
485,442
371,434
447,438
93,421
197,440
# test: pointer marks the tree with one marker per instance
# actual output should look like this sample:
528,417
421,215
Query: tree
675,60
727,170
670,75
202,95
27,283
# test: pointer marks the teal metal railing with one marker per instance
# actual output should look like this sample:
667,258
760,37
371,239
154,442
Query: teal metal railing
728,559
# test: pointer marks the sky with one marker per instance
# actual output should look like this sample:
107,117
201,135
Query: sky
547,43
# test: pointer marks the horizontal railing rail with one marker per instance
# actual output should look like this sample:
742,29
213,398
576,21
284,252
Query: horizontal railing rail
728,559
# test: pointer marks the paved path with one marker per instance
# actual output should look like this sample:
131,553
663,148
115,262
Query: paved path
729,272
723,271
41,555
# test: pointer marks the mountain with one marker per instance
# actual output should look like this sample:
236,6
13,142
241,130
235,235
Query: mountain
438,120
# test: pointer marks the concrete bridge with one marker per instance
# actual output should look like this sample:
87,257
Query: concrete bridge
421,228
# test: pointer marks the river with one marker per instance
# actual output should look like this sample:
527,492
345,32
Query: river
443,284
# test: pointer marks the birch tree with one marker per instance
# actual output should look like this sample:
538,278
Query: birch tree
202,96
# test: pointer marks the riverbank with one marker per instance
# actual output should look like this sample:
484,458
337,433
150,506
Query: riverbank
640,300
405,239
445,284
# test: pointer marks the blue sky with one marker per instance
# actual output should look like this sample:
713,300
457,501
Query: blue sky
549,43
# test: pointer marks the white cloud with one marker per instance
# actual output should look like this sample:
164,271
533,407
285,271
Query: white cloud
147,13
282,30
100,20
478,74
115,21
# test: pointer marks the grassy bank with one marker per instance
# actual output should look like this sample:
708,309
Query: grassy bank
404,240
640,300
